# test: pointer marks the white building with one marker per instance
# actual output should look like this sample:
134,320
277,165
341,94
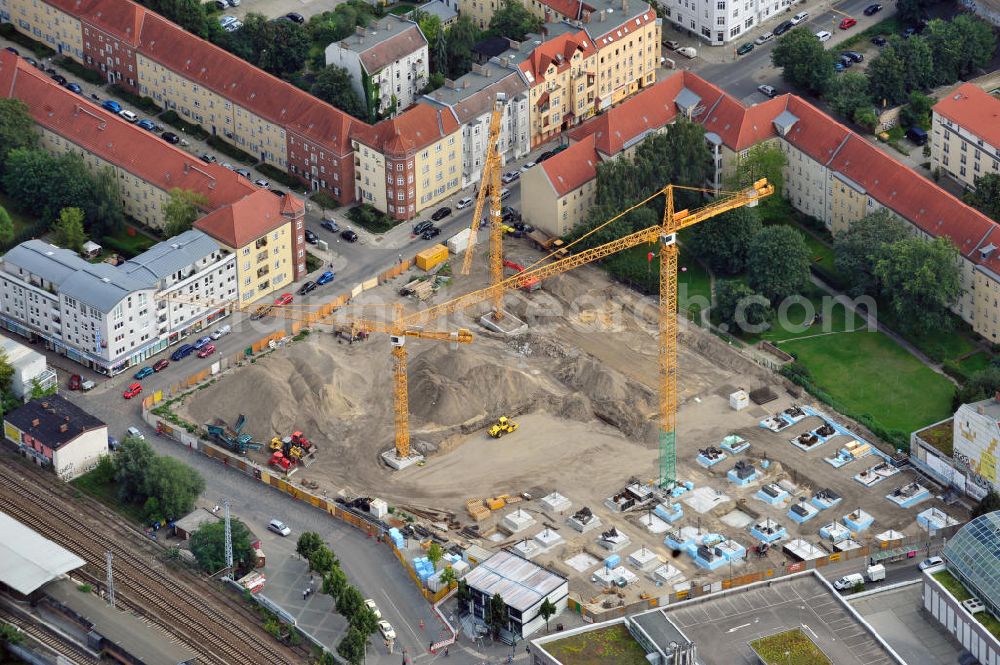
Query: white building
387,60
719,22
106,317
55,432
470,99
30,368
976,448
523,585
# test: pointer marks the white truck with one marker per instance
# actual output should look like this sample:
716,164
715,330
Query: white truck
876,573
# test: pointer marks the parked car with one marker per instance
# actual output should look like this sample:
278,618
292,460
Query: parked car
330,225
420,227
243,172
767,90
295,17
763,39
432,232
31,61
221,331
879,40
207,158
227,165
135,433
528,165
854,56
370,604
311,237
385,628
464,203
260,182
509,177
743,49
848,582
349,235
839,66
221,4
129,116
848,22
917,135
325,278
277,192
671,44
132,391
111,105
871,10
143,373
234,26
504,193
798,18
279,527
283,299
824,35
782,28
74,87
227,20
170,138
13,50
207,351
161,365
182,352
202,342
59,78
688,52
306,288
441,213
909,32
545,155
234,3
146,124
74,382
930,563
261,312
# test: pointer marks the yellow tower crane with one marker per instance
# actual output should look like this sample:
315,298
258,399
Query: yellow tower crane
489,185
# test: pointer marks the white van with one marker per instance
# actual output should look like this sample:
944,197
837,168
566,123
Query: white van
763,39
222,330
823,36
876,573
798,18
848,581
128,115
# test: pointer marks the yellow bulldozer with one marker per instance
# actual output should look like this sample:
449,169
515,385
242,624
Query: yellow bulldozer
504,425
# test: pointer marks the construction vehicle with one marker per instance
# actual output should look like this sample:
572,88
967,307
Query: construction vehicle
503,425
280,461
232,438
533,285
299,439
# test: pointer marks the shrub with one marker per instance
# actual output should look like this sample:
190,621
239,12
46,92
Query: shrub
371,219
274,173
84,73
41,50
174,120
230,150
325,201
138,101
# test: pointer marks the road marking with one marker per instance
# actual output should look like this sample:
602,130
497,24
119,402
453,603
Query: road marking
811,631
735,628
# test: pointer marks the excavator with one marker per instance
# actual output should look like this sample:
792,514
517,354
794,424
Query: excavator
503,425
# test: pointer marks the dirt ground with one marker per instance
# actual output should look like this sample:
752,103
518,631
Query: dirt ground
581,383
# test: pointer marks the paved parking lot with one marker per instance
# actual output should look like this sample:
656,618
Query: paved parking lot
275,8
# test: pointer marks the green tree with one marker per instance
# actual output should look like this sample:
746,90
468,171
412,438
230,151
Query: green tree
10,634
189,14
778,263
887,77
365,620
308,542
918,112
975,41
68,231
322,560
986,195
921,280
463,594
984,384
723,241
447,576
912,12
17,128
989,504
287,48
174,484
334,582
434,553
804,63
764,160
867,118
434,32
333,85
182,208
349,602
135,457
462,35
858,249
918,62
547,610
514,21
352,646
45,184
37,392
496,615
6,227
848,93
208,545
105,213
737,305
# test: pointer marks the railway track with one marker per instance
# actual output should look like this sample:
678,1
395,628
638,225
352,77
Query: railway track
53,640
141,581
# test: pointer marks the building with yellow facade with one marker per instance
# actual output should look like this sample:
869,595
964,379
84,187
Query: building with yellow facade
965,134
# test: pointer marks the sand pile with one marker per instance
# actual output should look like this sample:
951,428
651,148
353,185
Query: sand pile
615,399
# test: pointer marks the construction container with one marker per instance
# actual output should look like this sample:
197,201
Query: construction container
495,503
459,242
432,257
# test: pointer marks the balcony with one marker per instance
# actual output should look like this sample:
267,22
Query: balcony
261,242
261,272
262,256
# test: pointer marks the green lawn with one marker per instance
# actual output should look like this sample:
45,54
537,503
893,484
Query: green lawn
613,644
868,373
955,588
89,483
826,317
976,362
792,647
939,344
127,245
402,8
22,222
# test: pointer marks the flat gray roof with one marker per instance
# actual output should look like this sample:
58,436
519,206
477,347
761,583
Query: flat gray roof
165,258
471,95
18,355
521,583
29,559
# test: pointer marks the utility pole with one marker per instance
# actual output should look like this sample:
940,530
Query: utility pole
110,580
229,541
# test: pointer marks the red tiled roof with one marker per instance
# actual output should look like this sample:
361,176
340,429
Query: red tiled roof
567,8
650,110
416,129
558,51
815,133
572,167
975,110
116,18
113,139
245,220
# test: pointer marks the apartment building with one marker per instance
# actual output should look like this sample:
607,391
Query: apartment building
410,162
54,432
388,63
831,174
718,22
965,141
470,100
557,194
